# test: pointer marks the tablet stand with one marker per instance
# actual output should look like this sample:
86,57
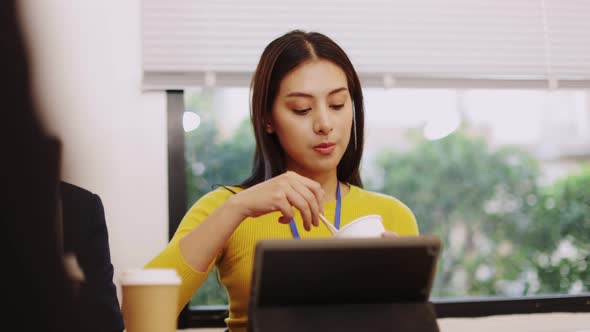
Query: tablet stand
386,317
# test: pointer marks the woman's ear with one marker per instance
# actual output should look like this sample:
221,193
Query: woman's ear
269,128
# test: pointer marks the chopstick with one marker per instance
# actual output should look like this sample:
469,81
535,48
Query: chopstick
331,227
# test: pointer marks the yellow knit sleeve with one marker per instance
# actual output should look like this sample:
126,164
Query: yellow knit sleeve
404,219
171,256
397,216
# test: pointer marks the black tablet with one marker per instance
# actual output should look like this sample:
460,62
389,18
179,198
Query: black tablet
343,271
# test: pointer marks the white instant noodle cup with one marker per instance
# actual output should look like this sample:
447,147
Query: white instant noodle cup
369,226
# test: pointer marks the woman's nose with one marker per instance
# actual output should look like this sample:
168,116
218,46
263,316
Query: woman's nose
322,122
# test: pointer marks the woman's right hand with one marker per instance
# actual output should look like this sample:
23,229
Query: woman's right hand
282,193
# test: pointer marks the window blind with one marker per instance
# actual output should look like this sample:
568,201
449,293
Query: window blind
405,43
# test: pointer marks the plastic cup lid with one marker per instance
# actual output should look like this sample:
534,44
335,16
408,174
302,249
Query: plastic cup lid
151,276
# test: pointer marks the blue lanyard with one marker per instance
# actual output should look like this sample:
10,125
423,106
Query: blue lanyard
336,216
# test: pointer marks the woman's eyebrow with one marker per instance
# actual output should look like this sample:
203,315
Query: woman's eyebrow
307,95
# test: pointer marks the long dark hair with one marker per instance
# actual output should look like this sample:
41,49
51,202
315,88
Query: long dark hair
36,268
280,57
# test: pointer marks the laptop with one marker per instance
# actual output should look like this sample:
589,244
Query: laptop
344,284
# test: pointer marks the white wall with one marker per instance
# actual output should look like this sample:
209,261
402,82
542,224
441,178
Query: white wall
87,65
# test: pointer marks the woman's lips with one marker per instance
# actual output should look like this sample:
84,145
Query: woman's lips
325,148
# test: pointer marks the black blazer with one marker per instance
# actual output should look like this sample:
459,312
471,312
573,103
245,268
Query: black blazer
85,234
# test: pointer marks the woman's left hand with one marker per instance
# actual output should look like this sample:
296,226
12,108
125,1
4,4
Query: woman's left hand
389,235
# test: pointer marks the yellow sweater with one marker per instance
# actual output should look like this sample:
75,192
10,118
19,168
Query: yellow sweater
235,262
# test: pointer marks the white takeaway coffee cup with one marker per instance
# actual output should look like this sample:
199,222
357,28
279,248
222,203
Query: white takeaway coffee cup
150,299
369,226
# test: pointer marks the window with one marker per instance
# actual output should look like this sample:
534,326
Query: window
502,176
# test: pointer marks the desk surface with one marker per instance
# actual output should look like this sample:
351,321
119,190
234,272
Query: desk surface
552,322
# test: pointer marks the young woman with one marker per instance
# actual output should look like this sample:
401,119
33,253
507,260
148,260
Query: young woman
307,114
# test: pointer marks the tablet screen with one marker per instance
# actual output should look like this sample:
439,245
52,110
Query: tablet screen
344,271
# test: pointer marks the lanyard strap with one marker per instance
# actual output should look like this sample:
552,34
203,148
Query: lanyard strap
336,215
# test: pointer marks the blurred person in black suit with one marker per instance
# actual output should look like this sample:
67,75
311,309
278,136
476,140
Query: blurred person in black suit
85,237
